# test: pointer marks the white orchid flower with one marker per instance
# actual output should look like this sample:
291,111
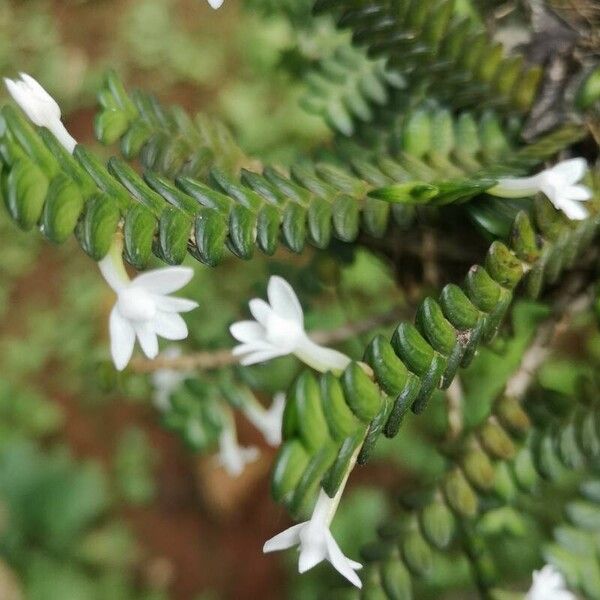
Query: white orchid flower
216,3
549,584
279,330
144,308
233,457
166,381
316,542
40,107
267,421
560,184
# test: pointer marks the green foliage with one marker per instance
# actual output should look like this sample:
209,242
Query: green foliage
427,112
63,193
530,461
327,421
439,52
133,467
26,413
165,140
346,87
55,507
196,414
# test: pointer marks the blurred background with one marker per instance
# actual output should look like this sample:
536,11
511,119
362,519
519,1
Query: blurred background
98,499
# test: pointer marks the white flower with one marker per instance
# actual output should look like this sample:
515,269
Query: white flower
40,107
233,457
279,330
166,381
549,584
144,308
560,183
268,422
316,542
216,3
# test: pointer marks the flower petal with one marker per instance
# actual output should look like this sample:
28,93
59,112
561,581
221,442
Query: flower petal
147,338
122,339
34,100
573,210
247,331
216,3
177,305
113,271
311,556
283,300
260,310
268,422
254,346
170,326
19,95
166,280
578,192
571,170
342,563
262,356
233,457
284,540
549,583
41,94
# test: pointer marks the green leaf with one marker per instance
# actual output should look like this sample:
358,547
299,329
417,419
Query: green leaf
414,192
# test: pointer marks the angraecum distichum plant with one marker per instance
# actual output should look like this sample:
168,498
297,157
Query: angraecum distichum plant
463,161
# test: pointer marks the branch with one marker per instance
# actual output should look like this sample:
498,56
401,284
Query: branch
454,405
570,302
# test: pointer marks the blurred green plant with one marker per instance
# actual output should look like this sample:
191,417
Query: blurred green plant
57,532
427,112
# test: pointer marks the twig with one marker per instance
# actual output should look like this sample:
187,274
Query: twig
429,254
207,361
454,404
565,308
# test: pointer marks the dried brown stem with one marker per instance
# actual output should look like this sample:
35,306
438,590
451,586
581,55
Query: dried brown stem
454,404
571,302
